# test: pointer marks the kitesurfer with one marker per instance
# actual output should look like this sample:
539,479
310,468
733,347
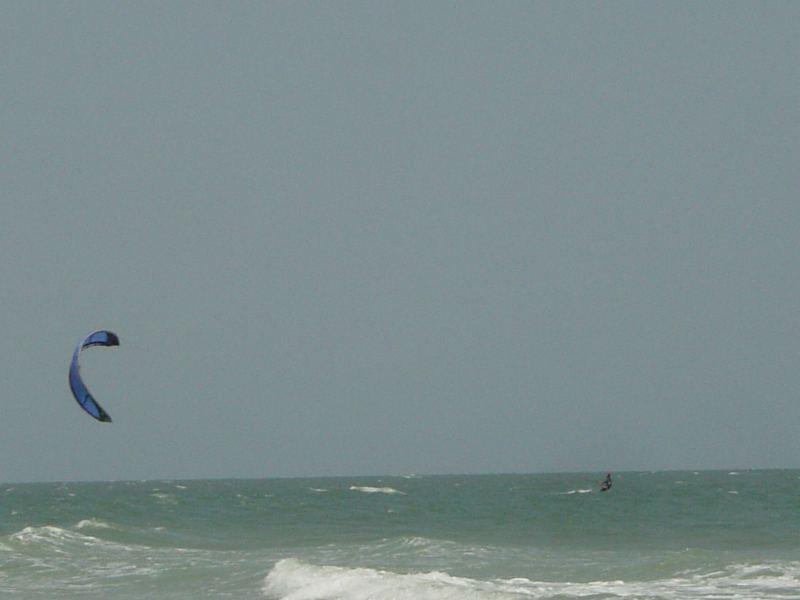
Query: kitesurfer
605,485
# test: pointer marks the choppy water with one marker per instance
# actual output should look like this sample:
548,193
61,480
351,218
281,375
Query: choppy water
675,535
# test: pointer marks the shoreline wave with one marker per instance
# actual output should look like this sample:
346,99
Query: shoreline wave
293,579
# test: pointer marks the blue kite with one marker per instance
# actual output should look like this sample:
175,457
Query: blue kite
79,389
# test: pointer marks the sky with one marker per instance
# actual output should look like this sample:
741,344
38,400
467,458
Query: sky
357,238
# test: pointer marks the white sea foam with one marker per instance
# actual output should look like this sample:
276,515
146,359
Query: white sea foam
35,534
164,498
291,579
93,524
55,538
50,559
375,490
579,491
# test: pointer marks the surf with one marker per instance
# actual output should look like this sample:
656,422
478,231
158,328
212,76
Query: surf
293,579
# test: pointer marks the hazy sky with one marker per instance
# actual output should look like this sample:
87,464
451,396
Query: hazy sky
419,237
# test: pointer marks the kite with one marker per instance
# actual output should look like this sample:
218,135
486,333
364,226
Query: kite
79,389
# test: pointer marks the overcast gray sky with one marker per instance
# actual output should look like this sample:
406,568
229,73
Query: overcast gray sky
418,237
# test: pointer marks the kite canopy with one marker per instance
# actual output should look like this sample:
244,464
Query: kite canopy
79,389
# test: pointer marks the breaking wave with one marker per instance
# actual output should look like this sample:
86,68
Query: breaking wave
292,579
375,490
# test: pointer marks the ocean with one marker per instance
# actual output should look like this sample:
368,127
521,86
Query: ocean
654,535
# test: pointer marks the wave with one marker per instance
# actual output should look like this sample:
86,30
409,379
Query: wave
54,562
410,547
292,579
164,498
375,490
94,524
93,539
48,534
89,536
578,491
62,540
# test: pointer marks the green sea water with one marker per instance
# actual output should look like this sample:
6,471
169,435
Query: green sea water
664,535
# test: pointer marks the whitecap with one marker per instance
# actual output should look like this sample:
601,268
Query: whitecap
375,490
93,524
53,537
164,498
292,579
